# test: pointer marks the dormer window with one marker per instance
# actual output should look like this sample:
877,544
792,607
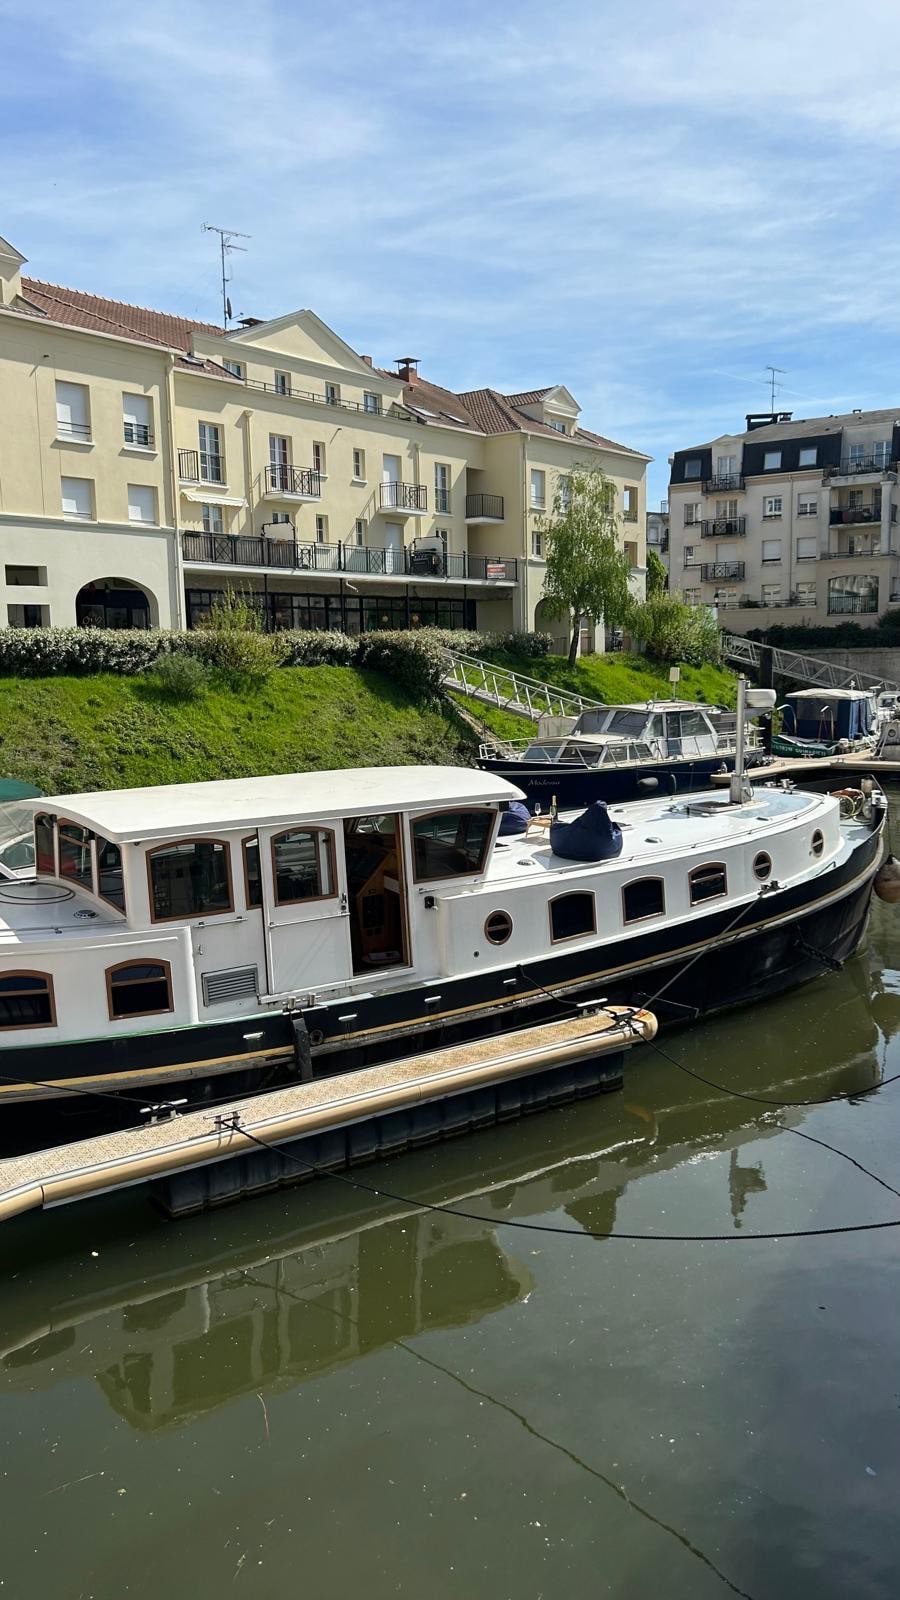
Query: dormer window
236,368
555,423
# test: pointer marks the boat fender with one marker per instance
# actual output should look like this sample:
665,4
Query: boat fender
591,837
887,881
302,1051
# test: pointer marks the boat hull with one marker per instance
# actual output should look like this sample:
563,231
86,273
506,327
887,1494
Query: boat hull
575,786
723,958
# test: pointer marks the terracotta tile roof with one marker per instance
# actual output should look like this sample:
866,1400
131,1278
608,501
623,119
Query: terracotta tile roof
529,398
79,310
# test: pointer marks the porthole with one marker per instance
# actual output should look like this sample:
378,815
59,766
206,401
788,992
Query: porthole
762,866
818,842
498,927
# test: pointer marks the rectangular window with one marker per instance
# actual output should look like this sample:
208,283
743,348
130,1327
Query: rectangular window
252,879
771,549
807,548
630,503
693,513
441,487
332,394
538,489
563,492
537,545
707,883
73,419
303,865
282,383
808,456
138,988
807,505
211,469
371,402
189,878
726,509
234,367
806,594
771,594
450,844
279,518
556,425
572,916
137,420
771,461
643,898
321,529
141,502
110,873
690,560
318,457
881,452
359,465
212,519
726,466
360,530
26,577
772,505
693,468
75,854
857,454
77,497
692,597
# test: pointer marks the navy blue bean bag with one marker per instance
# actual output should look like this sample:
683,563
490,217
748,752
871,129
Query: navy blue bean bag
591,837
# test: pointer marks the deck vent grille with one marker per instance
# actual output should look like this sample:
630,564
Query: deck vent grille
237,983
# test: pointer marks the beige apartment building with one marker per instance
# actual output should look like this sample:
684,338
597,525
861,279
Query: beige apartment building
793,517
149,462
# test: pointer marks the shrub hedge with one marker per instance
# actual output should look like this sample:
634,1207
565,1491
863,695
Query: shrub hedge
843,636
413,658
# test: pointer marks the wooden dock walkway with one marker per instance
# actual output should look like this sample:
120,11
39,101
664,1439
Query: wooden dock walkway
200,1138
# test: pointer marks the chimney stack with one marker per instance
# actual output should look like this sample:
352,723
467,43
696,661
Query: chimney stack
407,368
367,360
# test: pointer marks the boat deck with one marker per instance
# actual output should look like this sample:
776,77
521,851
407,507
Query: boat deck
66,1173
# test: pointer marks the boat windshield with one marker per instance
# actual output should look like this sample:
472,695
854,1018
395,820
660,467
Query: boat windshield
626,723
543,752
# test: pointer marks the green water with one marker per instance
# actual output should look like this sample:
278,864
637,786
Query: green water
323,1393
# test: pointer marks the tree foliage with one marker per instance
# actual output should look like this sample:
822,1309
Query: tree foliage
670,630
657,576
587,570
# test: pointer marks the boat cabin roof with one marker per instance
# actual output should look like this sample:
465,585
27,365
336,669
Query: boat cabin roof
135,815
823,695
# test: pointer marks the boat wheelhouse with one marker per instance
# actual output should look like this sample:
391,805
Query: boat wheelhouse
606,751
317,922
820,722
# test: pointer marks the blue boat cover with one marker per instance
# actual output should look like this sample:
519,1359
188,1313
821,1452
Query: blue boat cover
591,837
515,819
821,715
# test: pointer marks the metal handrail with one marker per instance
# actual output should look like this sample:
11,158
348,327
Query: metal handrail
396,496
510,691
284,479
794,664
291,554
485,505
849,465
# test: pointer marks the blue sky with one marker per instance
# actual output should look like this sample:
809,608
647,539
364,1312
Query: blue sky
648,202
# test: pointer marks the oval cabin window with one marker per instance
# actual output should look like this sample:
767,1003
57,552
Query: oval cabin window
138,988
762,866
818,842
450,844
303,865
26,1000
707,883
572,916
498,927
646,897
189,878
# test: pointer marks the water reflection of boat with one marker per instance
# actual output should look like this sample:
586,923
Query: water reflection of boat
170,1339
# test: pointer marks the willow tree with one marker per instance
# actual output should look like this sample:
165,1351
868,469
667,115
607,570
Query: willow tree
587,570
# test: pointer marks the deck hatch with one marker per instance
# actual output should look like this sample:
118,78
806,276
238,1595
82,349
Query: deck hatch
234,983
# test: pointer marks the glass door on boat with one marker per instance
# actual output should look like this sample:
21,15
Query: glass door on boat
379,933
301,872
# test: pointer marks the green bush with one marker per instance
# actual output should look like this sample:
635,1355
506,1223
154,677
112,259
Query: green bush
230,637
180,677
669,630
842,636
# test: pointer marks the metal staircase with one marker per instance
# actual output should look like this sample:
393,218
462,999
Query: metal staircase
510,691
805,669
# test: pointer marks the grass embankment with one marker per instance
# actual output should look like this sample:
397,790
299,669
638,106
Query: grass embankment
611,678
71,734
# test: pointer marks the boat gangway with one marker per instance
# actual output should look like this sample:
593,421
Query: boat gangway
772,660
512,691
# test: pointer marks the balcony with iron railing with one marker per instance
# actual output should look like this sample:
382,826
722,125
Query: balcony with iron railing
410,499
484,508
138,434
722,527
858,552
78,432
855,605
283,482
722,572
869,511
724,483
852,466
290,555
200,466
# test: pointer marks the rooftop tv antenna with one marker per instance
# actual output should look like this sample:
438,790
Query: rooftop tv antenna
227,237
773,383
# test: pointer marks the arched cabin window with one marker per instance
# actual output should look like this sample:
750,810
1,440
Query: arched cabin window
450,844
708,882
189,878
644,897
85,858
26,1000
572,916
138,988
303,865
